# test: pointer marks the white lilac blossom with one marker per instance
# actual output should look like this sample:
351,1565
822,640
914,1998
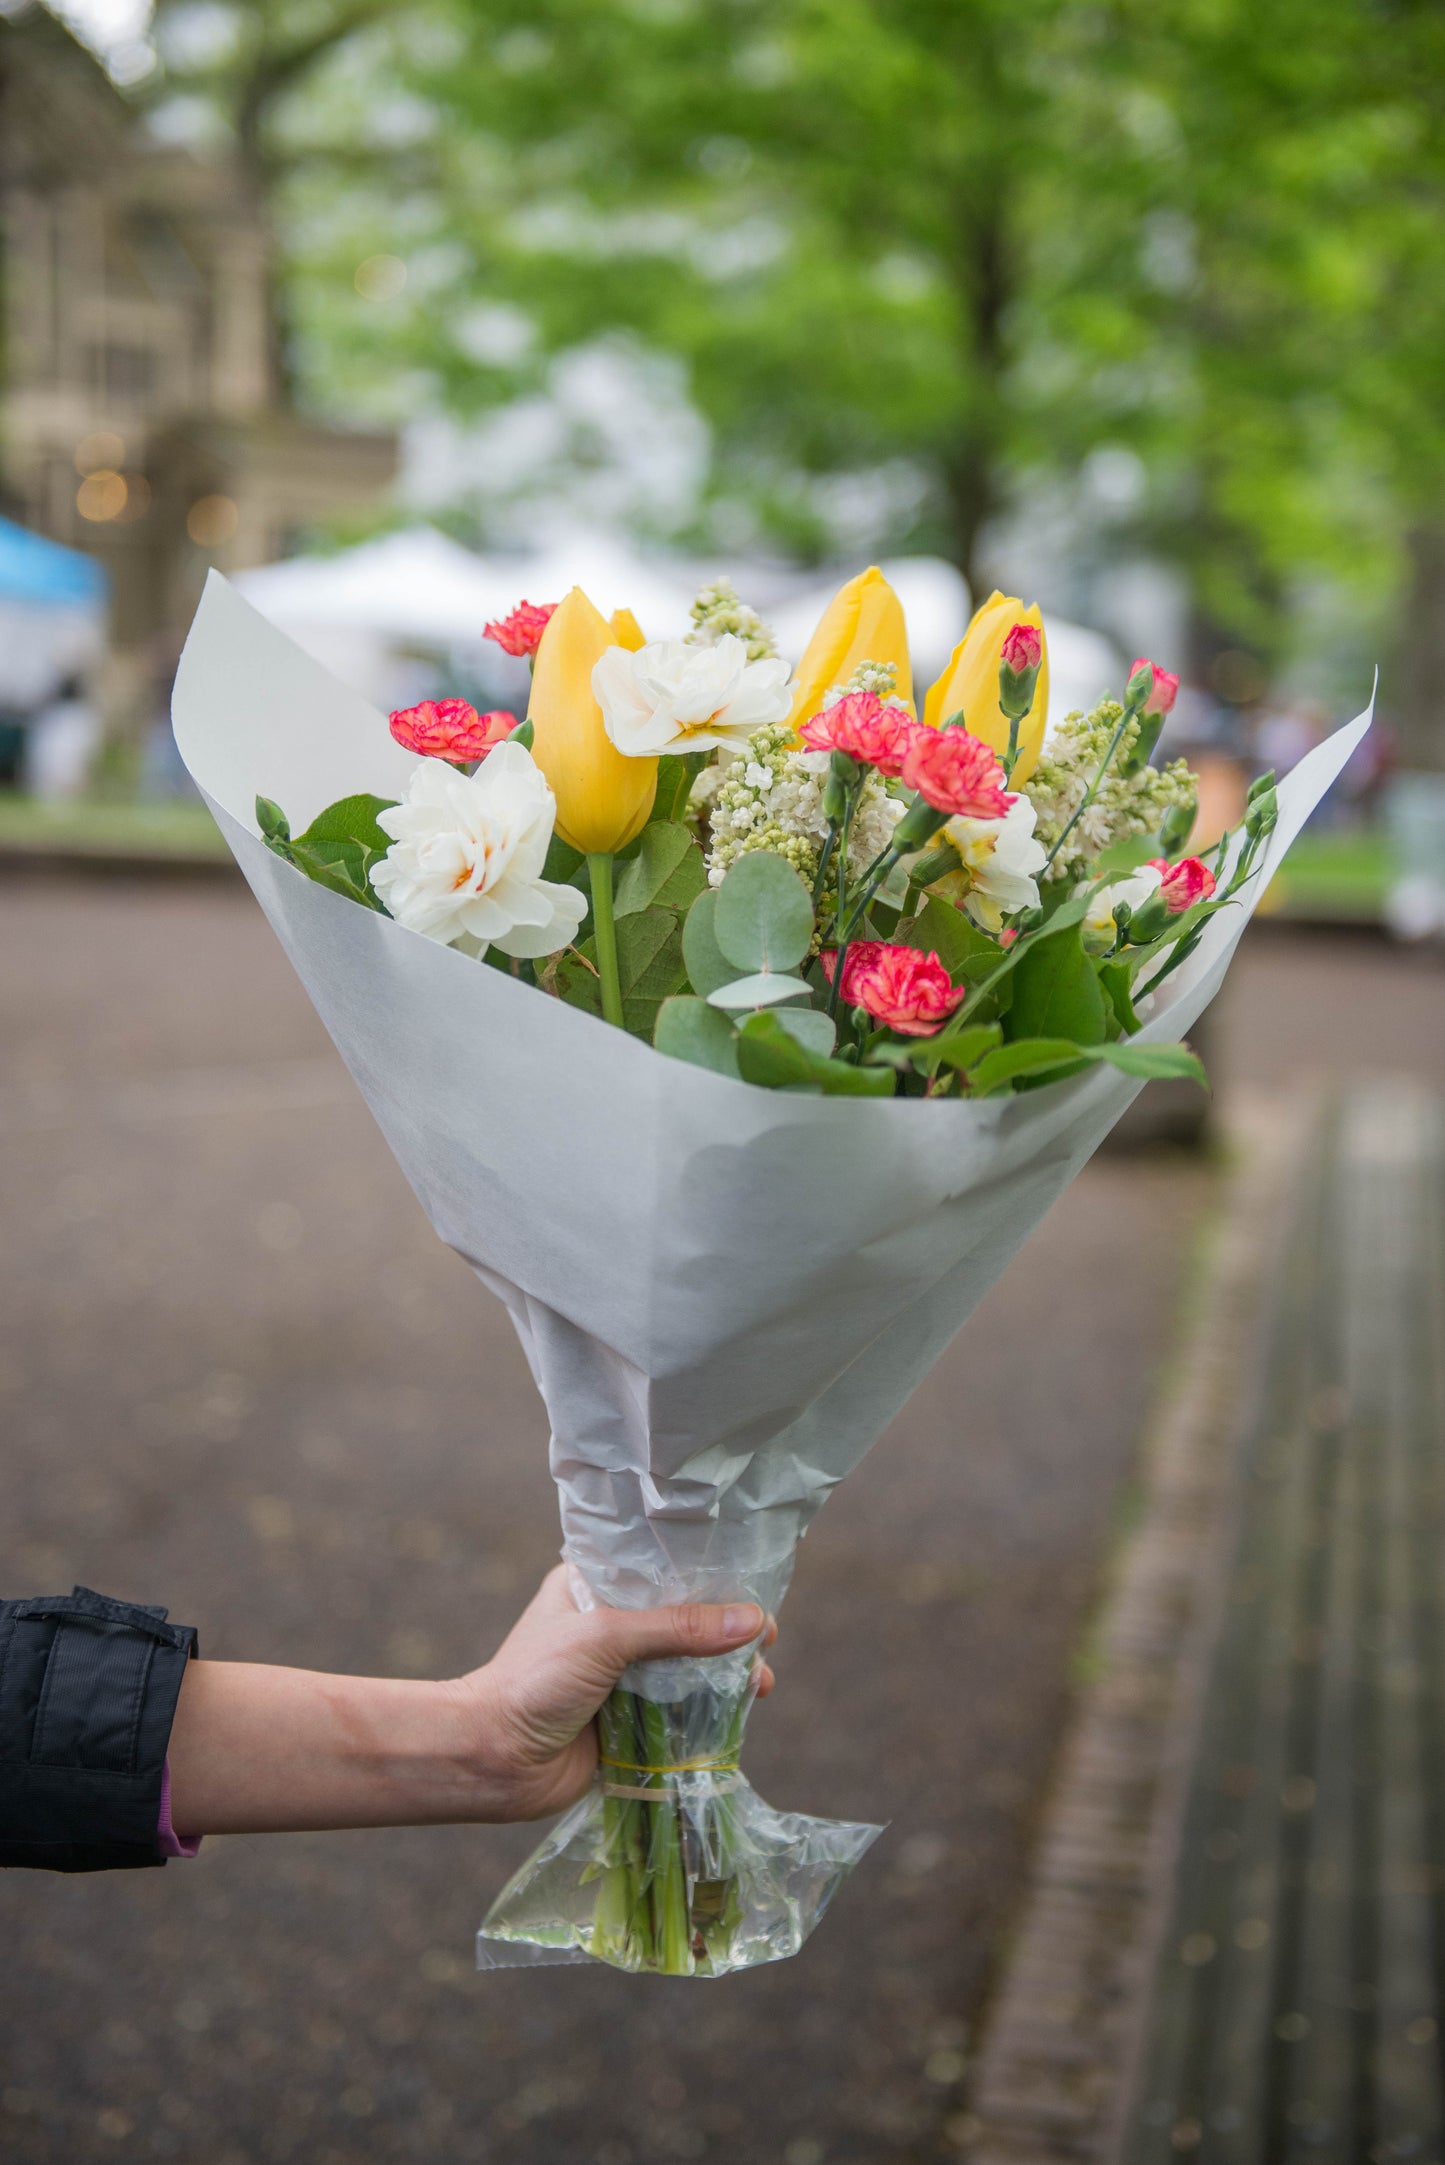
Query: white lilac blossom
771,797
1125,804
1002,859
879,677
466,861
717,611
672,697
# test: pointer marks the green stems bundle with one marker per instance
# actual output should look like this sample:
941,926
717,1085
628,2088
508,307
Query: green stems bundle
669,1899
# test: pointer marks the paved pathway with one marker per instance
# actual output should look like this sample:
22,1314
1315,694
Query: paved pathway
240,1375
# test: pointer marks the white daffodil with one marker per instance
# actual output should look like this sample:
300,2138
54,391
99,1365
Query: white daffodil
670,696
1003,860
468,855
1139,888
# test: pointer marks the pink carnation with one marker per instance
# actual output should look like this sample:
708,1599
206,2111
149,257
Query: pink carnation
956,773
1163,690
1023,648
898,986
1183,884
866,728
521,632
450,729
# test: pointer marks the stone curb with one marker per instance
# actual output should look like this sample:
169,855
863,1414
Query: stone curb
1063,2038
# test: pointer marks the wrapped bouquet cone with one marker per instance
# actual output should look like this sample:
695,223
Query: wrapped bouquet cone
725,1292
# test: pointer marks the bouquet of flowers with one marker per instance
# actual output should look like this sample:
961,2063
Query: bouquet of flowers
603,974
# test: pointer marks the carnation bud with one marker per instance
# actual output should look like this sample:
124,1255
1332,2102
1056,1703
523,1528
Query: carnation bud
842,775
1260,784
1149,727
1150,690
919,824
1018,670
1123,918
1262,813
1145,924
1177,826
935,866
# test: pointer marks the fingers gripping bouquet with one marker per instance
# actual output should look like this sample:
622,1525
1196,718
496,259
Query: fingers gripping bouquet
736,1024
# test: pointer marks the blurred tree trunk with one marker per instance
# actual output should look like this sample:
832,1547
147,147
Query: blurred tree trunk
1418,697
971,466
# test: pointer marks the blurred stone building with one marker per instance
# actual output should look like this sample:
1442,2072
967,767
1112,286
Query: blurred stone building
142,413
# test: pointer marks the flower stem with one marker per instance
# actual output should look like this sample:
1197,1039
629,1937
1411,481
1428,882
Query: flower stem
605,929
1092,791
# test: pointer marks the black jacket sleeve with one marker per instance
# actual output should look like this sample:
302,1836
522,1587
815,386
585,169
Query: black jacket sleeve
88,1691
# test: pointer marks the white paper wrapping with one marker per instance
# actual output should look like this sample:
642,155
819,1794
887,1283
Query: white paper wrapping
725,1293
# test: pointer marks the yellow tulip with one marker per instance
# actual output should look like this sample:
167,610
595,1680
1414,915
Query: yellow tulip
862,623
603,797
970,683
626,631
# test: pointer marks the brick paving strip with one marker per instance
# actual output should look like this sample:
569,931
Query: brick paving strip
1233,1947
1065,2032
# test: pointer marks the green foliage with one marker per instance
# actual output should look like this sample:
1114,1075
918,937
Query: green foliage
668,869
688,1029
649,967
764,915
707,966
770,1054
1056,991
967,954
337,850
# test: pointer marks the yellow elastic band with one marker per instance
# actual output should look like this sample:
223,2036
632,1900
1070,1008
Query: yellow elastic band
683,1766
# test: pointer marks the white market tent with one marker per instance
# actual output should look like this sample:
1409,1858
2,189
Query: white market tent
362,609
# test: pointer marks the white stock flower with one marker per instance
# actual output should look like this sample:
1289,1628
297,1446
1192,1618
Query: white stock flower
467,858
1138,889
673,697
1003,859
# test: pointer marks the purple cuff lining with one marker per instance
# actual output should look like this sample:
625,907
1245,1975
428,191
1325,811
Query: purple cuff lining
168,1841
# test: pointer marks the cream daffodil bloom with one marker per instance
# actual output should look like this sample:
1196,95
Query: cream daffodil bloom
671,696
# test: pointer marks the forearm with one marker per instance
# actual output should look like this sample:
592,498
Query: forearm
258,1750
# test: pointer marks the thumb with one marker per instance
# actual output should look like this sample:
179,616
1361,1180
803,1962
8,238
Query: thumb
691,1627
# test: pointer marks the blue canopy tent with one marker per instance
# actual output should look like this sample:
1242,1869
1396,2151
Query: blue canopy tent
52,616
46,575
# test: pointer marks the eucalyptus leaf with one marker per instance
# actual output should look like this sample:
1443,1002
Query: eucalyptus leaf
765,989
768,1054
764,918
688,1029
813,1030
707,965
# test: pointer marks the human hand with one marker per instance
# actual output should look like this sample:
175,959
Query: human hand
530,1708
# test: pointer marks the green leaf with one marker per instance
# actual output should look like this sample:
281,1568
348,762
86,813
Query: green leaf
675,777
669,869
1056,991
350,819
941,929
1122,858
763,990
1025,1056
522,734
770,1055
272,821
566,865
1117,981
1156,1063
961,1049
649,968
688,1029
814,1031
764,917
707,965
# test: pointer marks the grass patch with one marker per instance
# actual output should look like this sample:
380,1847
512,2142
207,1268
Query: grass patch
1345,875
175,829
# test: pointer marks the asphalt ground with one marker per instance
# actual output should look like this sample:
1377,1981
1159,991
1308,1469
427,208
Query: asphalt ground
239,1375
